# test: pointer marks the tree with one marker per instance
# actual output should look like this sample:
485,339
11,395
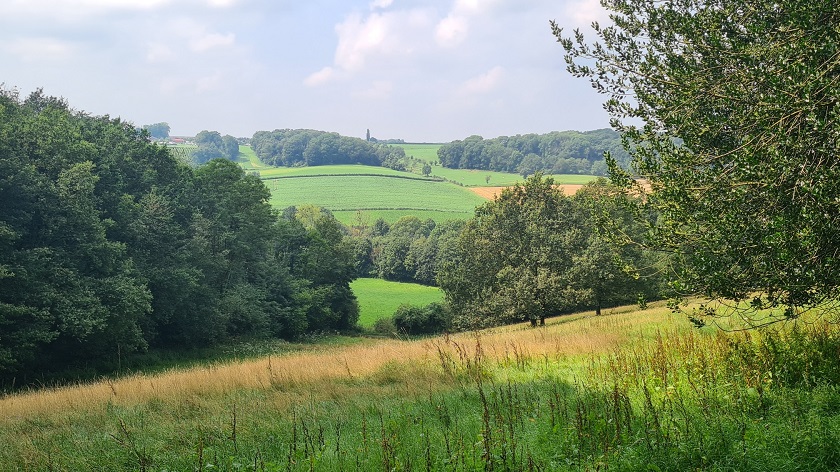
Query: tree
230,147
427,169
513,258
731,112
210,146
158,130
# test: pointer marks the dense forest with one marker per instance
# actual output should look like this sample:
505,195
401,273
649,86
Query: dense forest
299,147
109,245
566,152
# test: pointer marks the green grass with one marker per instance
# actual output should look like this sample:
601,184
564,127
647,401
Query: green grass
477,178
632,390
249,161
374,195
424,152
380,298
347,169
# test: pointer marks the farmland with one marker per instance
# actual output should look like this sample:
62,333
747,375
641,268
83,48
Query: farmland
478,178
356,192
351,192
380,298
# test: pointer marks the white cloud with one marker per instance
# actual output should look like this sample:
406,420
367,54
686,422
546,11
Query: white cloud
221,3
380,4
209,83
378,36
36,49
451,30
483,83
359,38
321,77
379,90
159,52
211,40
584,12
119,4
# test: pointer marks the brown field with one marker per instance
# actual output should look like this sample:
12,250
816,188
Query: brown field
491,193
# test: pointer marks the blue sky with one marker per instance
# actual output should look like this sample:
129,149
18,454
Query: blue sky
423,71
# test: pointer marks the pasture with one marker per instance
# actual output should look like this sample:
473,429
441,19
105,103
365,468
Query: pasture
629,390
369,194
380,298
478,178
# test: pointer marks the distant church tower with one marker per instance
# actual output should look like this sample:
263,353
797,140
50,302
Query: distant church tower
367,138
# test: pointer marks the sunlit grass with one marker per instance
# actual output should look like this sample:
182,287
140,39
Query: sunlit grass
380,298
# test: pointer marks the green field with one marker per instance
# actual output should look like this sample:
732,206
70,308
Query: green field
380,298
424,152
379,193
249,161
477,178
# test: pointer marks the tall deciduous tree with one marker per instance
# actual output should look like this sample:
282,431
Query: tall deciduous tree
731,110
513,258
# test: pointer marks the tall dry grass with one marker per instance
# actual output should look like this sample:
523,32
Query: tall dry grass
339,370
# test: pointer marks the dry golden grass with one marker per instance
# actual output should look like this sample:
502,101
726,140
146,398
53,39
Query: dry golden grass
338,371
491,193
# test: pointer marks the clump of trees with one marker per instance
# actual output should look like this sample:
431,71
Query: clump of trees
158,130
409,250
299,147
731,113
534,252
567,152
212,145
109,245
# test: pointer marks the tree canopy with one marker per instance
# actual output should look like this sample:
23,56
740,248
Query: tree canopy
566,152
158,130
731,111
296,147
534,252
109,246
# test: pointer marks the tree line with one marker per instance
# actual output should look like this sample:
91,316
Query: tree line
532,253
302,147
109,246
559,152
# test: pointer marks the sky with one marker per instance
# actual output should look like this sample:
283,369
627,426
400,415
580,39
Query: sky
422,71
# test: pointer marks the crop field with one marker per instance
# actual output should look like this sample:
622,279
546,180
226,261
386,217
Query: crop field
182,151
348,169
380,298
373,196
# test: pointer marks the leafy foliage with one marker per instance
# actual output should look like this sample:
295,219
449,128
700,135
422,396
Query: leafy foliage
297,147
731,112
534,252
109,245
567,152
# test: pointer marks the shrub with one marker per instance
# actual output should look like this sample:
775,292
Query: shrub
385,326
430,319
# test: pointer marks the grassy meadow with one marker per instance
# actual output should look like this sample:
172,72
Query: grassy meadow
477,178
629,390
375,194
380,298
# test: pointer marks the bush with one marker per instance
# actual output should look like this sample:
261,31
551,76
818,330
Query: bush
385,326
430,319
